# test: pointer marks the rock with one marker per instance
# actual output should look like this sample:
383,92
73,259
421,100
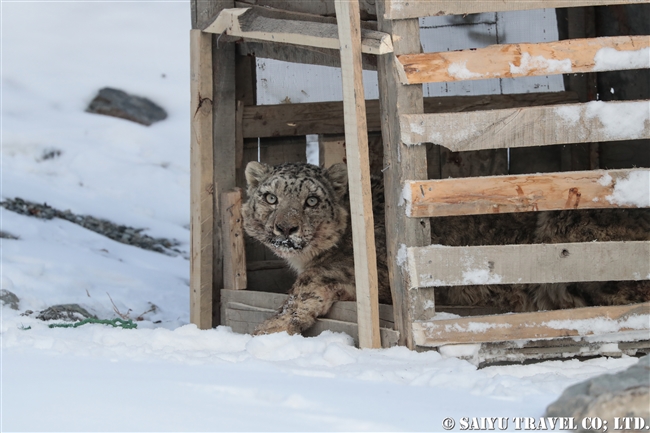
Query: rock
8,298
67,312
116,103
624,394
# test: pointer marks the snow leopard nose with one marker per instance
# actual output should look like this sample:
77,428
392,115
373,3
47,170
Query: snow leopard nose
286,229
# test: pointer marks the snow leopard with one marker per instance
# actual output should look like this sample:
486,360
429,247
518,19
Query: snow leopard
301,212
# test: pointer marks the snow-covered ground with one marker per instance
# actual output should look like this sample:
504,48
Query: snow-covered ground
167,375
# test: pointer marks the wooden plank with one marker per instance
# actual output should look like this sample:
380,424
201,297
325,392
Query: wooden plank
225,146
342,310
327,117
578,322
525,60
201,180
632,343
321,7
438,265
403,162
299,54
389,337
530,126
356,137
234,264
276,26
403,9
597,189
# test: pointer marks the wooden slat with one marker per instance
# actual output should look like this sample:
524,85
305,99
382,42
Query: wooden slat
327,117
402,9
631,343
341,310
405,162
258,24
356,149
525,60
597,189
320,7
234,255
299,54
201,180
528,326
437,265
530,126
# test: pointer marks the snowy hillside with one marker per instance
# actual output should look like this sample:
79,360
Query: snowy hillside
167,375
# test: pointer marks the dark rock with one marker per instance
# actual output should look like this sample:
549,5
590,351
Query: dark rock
116,103
7,235
119,233
624,394
67,312
8,298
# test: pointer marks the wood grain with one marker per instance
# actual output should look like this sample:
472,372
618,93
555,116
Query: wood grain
327,117
403,9
529,126
404,162
201,180
277,26
356,149
234,254
522,60
526,326
437,266
523,193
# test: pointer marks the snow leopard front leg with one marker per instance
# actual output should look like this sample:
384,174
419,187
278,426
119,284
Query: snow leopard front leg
311,296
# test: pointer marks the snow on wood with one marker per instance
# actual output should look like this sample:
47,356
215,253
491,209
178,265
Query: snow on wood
594,121
258,24
524,60
437,265
596,189
579,322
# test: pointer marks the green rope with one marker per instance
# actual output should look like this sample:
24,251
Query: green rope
116,323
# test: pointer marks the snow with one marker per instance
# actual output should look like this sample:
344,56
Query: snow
633,190
460,72
167,375
530,64
608,59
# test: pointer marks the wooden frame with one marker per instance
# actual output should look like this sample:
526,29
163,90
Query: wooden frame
404,9
437,266
596,189
226,127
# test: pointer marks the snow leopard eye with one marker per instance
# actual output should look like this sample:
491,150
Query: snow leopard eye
270,198
312,201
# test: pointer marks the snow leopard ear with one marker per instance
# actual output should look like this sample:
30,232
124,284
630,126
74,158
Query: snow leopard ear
256,172
338,176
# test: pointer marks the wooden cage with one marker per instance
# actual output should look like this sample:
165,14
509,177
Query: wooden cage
441,157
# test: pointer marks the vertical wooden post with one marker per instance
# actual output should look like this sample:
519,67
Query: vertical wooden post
356,138
234,254
403,163
201,178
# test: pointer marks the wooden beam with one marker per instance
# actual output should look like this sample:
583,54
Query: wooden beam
403,9
403,162
234,254
578,322
525,60
299,54
201,180
321,7
594,121
597,189
258,24
437,265
356,138
327,117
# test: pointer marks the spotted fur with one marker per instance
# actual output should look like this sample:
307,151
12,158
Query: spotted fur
314,237
301,212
